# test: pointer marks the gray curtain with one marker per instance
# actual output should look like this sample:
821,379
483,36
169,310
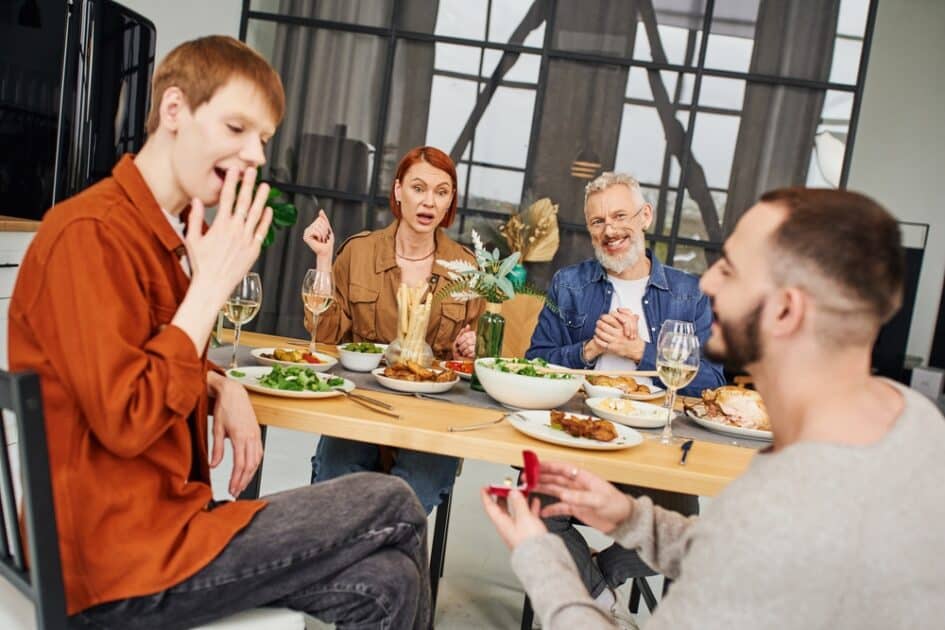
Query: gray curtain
334,85
793,38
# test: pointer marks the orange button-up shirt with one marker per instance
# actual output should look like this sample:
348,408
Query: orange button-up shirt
124,392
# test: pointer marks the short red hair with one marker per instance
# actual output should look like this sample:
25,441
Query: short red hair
202,66
435,158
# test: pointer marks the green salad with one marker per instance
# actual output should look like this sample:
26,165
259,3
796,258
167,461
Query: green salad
363,346
299,379
526,367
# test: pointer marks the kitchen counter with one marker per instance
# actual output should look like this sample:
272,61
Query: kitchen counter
14,224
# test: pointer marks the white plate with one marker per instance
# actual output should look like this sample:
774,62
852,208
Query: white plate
638,414
697,413
327,361
537,424
412,387
601,391
252,373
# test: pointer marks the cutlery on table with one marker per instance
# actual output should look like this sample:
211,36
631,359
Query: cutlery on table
564,370
685,448
377,406
481,425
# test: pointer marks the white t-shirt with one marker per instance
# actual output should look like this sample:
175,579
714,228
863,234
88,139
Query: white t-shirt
178,226
627,294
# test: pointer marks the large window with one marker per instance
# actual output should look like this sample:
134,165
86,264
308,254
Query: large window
707,103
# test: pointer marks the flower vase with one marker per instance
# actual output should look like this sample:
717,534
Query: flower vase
489,334
517,276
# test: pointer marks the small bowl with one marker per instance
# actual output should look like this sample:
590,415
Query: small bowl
361,361
525,392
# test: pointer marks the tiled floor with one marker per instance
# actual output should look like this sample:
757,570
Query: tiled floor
478,589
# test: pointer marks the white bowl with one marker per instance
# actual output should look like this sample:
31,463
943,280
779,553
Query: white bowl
525,392
361,361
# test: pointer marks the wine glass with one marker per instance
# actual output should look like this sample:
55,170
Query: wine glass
677,362
676,325
242,306
317,296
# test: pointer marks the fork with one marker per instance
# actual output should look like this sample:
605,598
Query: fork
481,425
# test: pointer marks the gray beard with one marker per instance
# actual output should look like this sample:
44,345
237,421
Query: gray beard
618,264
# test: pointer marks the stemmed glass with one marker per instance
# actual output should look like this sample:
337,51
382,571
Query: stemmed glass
242,306
677,362
317,295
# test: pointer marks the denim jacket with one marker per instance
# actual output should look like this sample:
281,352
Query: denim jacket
582,294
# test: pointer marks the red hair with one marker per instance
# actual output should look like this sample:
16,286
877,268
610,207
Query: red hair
435,158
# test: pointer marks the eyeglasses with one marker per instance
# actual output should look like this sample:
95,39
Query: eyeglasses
620,219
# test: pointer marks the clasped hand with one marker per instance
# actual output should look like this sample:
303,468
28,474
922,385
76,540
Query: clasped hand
616,332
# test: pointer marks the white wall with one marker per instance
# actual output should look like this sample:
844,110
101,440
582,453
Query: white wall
899,154
178,21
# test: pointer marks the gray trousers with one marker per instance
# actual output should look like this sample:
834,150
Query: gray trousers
615,565
351,552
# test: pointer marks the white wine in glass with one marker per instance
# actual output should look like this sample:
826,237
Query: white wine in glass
242,306
677,363
317,296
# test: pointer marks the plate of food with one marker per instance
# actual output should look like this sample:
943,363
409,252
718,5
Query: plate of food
318,361
575,430
412,378
632,413
523,383
600,386
732,410
462,367
290,381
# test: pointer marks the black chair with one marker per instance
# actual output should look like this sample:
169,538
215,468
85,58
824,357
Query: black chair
39,579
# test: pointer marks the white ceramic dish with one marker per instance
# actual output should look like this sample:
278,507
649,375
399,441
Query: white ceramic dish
252,374
412,387
327,361
601,391
697,413
537,424
632,413
361,361
525,392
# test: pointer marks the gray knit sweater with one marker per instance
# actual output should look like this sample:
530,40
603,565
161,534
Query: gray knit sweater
814,536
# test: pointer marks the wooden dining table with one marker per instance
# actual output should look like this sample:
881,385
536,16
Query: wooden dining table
424,425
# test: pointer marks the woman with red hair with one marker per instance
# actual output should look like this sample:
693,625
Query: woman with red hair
369,269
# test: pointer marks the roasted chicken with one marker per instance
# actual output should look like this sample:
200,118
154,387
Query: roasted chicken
591,428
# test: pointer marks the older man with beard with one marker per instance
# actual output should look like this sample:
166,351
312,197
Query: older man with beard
609,311
839,524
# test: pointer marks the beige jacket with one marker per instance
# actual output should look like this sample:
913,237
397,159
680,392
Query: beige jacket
366,278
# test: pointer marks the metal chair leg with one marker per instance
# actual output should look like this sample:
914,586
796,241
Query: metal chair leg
634,604
438,553
252,490
528,614
646,591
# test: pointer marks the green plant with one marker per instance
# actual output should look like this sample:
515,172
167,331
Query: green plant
284,214
487,278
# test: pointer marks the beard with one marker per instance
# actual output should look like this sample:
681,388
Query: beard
619,264
741,341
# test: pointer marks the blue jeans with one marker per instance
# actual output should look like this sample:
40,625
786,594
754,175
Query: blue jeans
352,552
431,476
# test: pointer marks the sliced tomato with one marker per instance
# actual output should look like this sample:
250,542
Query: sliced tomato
466,367
308,357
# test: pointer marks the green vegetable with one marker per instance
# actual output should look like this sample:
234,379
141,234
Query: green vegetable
299,379
526,367
364,346
237,373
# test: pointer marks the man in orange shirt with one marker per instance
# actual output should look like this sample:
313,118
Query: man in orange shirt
113,308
